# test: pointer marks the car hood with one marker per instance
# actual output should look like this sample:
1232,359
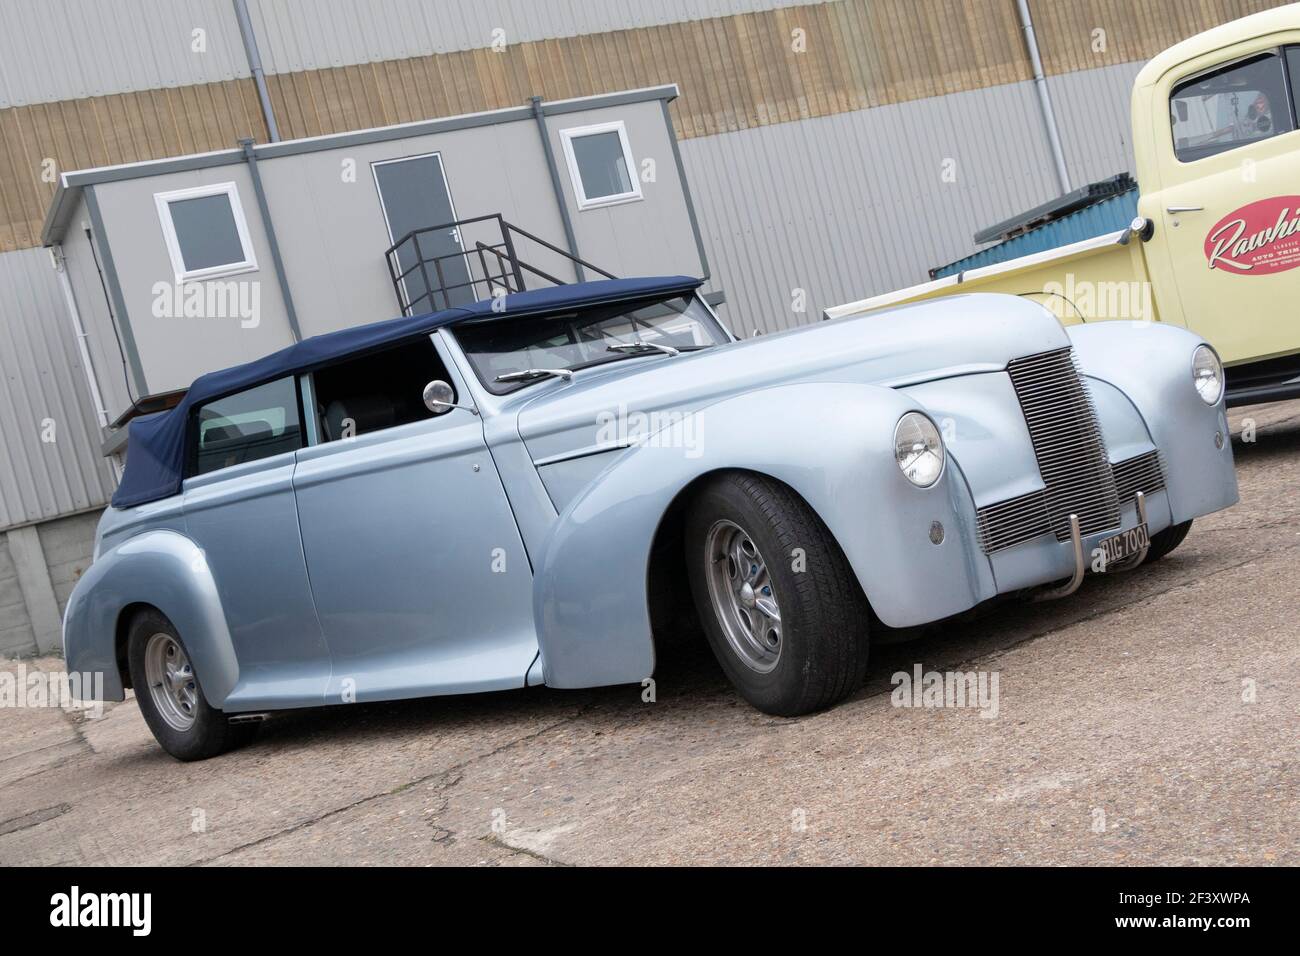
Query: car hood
958,335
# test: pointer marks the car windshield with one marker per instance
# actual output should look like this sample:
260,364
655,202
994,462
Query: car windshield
576,340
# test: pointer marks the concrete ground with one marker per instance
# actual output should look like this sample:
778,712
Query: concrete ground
1150,718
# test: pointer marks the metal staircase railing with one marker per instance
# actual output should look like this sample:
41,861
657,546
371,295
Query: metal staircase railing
468,260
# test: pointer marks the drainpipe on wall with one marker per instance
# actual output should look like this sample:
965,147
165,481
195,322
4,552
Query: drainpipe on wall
250,157
79,332
1044,97
255,67
569,238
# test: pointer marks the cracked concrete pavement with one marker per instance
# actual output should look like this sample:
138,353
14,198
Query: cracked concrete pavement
1150,718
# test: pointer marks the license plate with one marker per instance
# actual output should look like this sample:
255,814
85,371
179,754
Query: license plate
1125,544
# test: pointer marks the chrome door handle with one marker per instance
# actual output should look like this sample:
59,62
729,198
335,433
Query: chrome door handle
1174,209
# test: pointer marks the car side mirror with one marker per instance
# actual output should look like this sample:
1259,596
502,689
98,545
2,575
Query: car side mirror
439,398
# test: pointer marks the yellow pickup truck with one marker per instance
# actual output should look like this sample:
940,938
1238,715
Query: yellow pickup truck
1216,245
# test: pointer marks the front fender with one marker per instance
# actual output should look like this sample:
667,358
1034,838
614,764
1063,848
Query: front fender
1151,363
832,443
164,569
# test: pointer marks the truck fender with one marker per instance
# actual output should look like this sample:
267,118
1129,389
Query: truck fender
164,569
832,443
1151,364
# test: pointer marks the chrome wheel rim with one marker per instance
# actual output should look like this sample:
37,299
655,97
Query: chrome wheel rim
172,685
743,598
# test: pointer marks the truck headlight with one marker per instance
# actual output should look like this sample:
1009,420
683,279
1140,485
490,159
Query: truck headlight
1207,374
918,449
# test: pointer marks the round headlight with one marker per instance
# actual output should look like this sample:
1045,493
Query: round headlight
918,449
1207,374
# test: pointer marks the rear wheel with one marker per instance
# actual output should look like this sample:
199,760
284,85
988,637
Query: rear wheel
170,696
1162,542
781,607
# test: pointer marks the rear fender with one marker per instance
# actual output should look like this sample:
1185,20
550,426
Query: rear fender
831,443
168,571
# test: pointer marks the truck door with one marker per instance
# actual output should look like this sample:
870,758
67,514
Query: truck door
1229,202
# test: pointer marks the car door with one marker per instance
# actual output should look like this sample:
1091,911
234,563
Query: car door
239,508
1229,203
420,579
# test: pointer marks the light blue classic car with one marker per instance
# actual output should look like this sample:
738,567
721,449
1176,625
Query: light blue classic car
525,491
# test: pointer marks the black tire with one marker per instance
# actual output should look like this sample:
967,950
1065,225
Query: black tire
211,732
1162,542
824,616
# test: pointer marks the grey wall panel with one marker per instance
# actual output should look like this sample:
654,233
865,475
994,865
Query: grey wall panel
856,204
17,638
67,545
69,49
332,236
176,348
1092,110
106,353
649,236
332,230
343,32
43,387
54,50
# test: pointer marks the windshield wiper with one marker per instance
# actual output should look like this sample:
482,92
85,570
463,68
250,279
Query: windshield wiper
526,374
643,347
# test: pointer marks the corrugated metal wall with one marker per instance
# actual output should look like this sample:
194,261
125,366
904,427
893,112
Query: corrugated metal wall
113,81
54,50
1092,113
847,206
49,442
344,33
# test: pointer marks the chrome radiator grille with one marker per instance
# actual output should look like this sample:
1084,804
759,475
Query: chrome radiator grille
1142,473
1010,522
1070,454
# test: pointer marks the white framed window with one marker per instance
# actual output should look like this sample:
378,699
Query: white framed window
600,164
205,231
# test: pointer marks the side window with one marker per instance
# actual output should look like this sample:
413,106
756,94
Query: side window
246,426
1235,106
377,391
1293,71
205,231
600,164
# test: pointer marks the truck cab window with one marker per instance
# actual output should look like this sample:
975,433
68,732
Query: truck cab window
1235,106
247,426
1293,71
377,391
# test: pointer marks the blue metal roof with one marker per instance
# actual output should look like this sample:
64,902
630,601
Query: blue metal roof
1098,219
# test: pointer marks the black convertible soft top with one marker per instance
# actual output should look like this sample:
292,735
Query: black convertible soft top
155,455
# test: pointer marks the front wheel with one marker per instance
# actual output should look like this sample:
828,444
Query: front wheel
1162,542
170,697
783,611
